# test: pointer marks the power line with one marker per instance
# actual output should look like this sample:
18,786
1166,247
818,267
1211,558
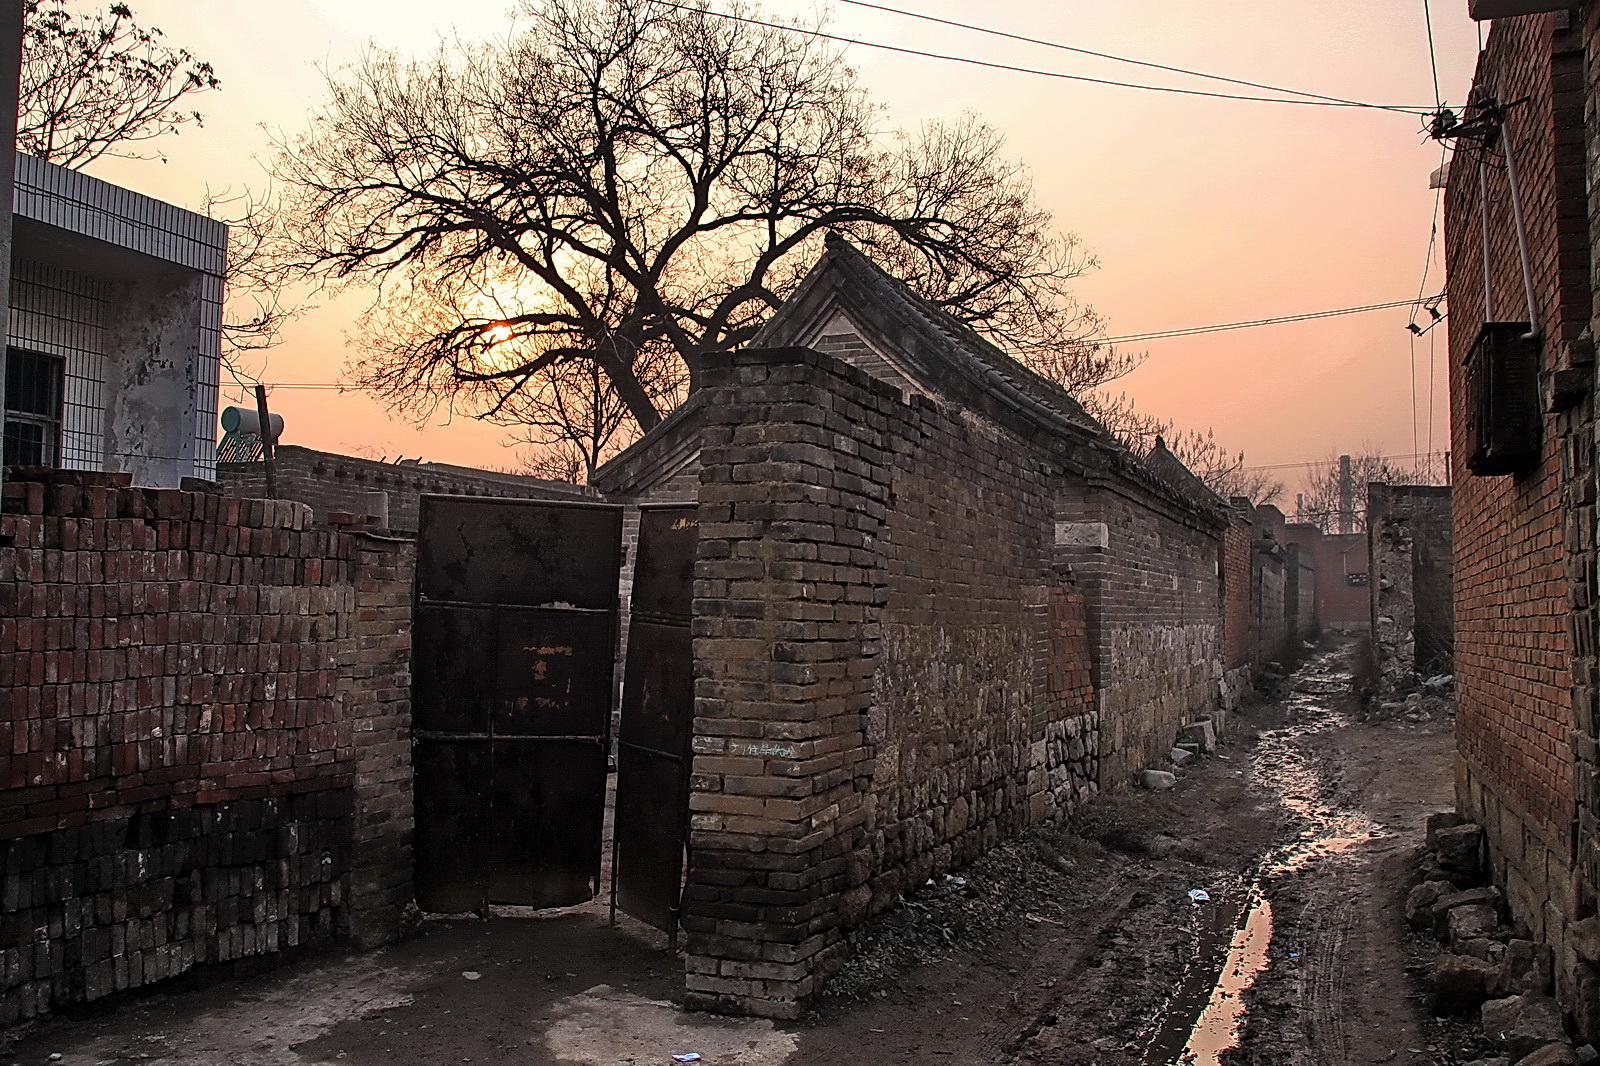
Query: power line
1433,55
1124,59
1033,70
1331,462
1307,316
1153,335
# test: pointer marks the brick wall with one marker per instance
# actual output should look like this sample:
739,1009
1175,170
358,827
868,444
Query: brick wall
1340,604
1269,588
179,755
879,644
1149,574
1236,592
1523,594
333,483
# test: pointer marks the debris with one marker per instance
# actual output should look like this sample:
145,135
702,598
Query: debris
1181,757
1157,780
471,975
1459,847
1472,922
1460,984
1422,904
1525,967
1521,1025
1198,896
690,1056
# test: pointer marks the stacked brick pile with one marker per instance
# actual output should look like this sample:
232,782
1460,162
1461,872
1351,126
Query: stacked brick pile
177,755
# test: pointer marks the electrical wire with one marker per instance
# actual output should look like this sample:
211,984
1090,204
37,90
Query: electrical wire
1033,70
1153,335
1121,59
1433,55
1307,316
1310,463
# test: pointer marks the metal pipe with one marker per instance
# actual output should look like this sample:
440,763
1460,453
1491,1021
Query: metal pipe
1516,216
1483,232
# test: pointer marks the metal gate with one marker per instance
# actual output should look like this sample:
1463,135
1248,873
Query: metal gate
654,732
514,646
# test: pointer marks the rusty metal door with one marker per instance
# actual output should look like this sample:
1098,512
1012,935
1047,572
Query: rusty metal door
513,657
654,731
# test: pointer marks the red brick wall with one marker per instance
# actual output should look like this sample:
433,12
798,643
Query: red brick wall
1236,592
1524,544
1340,604
1513,655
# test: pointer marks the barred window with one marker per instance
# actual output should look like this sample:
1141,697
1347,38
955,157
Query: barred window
33,408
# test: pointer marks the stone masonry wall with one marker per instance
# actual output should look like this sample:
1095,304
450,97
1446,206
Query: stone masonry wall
1408,531
178,754
875,630
1524,543
1150,578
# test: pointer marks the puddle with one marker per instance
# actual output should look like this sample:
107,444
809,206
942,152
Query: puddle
1217,1028
1206,1014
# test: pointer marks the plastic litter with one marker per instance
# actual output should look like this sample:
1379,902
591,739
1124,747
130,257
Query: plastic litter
1198,896
958,882
471,975
688,1056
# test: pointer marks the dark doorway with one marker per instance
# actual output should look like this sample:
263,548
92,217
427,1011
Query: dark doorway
654,732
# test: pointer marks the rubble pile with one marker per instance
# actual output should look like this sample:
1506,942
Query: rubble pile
1488,966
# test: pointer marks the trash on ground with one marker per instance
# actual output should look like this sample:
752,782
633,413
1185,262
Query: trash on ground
690,1056
1198,896
471,975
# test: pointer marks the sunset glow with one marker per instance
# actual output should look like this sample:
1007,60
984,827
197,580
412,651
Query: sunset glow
1199,210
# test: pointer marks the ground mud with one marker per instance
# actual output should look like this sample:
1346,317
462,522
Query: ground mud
1078,945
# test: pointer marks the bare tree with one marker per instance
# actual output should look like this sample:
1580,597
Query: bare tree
1222,470
618,185
92,85
1322,503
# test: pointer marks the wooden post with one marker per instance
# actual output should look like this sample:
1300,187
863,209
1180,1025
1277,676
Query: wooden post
267,441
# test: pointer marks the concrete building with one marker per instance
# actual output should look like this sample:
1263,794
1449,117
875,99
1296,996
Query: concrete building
113,344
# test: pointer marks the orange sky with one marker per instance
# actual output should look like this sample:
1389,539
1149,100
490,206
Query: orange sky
1199,210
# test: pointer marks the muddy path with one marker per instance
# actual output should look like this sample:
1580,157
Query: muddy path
1078,945
1302,833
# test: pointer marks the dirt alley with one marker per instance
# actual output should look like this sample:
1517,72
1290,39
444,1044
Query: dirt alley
1080,944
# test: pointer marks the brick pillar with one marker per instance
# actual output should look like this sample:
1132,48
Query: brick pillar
788,592
376,683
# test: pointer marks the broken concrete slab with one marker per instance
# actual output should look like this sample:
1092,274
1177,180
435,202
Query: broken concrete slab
1421,912
1181,757
1201,732
1460,984
1459,846
1551,1055
1521,1025
1475,921
1442,820
1526,967
1157,780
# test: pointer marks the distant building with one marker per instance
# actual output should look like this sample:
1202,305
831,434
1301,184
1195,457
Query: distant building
114,337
